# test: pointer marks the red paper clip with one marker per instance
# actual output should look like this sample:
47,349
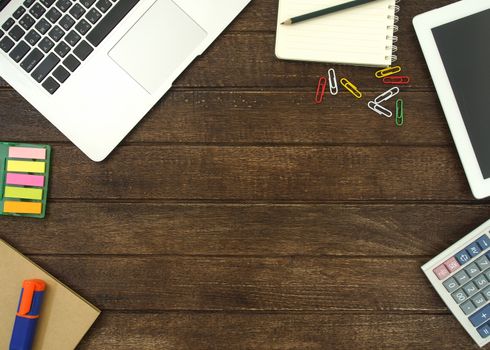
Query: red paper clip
397,80
320,90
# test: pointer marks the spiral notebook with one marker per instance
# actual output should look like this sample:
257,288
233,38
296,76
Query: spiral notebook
362,35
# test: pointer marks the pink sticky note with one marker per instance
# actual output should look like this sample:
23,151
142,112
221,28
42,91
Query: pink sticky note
27,152
24,180
452,264
441,272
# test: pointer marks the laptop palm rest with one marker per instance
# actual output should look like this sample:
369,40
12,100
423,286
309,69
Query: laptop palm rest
158,44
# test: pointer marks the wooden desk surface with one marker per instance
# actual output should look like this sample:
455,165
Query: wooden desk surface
239,215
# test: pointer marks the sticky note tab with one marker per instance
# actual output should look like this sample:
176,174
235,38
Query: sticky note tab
23,166
23,193
27,152
24,180
22,207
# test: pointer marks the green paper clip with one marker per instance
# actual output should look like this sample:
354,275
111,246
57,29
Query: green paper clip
400,115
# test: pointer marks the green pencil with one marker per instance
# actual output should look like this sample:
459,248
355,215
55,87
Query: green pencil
326,11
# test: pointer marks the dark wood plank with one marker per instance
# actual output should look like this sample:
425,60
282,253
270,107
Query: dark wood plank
247,283
276,331
262,117
245,229
262,173
253,53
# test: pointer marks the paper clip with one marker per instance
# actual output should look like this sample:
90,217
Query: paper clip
400,114
380,109
385,96
332,82
320,90
388,71
397,80
351,87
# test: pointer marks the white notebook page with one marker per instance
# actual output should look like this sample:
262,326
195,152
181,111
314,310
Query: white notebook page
362,35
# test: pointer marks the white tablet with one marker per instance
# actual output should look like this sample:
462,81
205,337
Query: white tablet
456,43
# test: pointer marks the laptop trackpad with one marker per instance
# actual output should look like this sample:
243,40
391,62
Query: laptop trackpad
158,44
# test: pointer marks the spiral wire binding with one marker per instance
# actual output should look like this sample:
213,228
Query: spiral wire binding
395,28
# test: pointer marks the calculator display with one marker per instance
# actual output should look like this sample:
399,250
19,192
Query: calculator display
465,50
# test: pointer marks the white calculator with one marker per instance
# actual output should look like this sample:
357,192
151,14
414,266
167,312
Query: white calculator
461,276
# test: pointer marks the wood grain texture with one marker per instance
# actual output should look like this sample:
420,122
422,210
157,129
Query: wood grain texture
357,230
206,331
256,117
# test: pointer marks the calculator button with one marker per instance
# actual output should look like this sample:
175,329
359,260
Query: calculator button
479,300
483,262
481,281
486,292
441,272
472,270
480,316
473,249
468,307
484,330
470,288
451,285
452,264
483,242
461,277
459,296
463,257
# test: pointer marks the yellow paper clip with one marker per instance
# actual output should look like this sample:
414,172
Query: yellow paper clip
388,71
351,87
400,114
380,109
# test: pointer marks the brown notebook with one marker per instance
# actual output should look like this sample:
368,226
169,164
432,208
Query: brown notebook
65,316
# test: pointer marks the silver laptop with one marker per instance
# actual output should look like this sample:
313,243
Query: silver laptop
94,68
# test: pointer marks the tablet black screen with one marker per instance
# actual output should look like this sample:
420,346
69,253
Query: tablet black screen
464,46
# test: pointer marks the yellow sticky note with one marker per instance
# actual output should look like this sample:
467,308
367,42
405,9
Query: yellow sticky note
23,193
22,166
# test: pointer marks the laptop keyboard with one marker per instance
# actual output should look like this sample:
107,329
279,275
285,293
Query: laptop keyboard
50,39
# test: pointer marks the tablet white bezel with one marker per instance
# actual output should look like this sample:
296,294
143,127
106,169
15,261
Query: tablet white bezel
424,24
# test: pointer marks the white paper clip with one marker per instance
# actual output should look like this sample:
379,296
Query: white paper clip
380,109
385,96
332,82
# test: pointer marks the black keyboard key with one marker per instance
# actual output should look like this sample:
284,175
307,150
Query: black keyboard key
1,33
32,37
51,85
62,49
27,22
46,45
47,3
17,33
53,15
83,50
61,74
67,22
83,27
77,11
19,12
71,63
63,5
56,33
88,3
32,60
20,51
103,5
8,24
110,21
43,26
28,3
6,44
45,67
72,38
37,10
93,16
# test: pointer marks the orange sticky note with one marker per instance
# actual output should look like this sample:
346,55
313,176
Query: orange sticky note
22,207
